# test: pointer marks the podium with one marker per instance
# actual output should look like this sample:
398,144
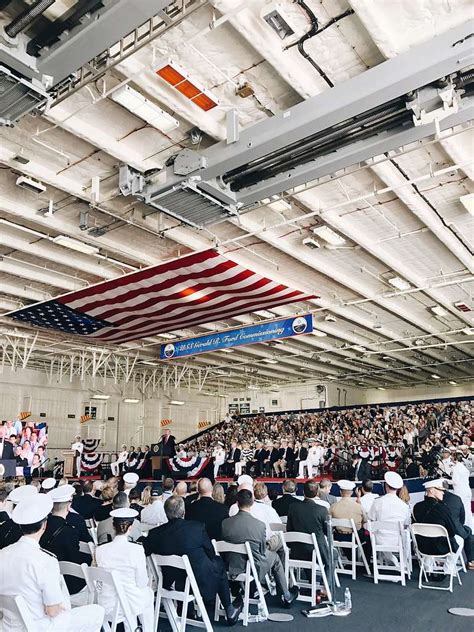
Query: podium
69,457
156,465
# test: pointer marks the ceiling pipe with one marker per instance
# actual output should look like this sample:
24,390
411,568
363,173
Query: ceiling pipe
27,17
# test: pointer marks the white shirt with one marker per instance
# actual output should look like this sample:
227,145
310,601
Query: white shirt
154,514
129,563
27,570
367,501
315,454
460,480
323,503
389,508
219,455
78,446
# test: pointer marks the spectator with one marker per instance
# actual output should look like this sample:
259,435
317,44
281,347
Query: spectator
207,510
348,509
154,514
218,493
282,504
366,495
105,528
456,510
86,503
308,517
103,511
324,491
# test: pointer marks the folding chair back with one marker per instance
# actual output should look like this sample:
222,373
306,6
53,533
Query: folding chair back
187,596
277,526
385,552
430,563
98,578
315,565
88,548
77,570
246,578
14,611
354,545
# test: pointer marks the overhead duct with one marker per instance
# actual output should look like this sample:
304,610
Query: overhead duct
29,15
18,96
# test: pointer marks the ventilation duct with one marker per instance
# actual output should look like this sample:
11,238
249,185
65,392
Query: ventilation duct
18,97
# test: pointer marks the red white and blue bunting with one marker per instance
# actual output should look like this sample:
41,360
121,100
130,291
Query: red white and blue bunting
90,445
90,461
190,465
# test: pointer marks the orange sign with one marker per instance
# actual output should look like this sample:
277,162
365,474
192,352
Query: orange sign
85,418
24,415
166,422
204,424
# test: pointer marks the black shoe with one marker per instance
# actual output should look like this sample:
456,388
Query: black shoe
294,592
232,615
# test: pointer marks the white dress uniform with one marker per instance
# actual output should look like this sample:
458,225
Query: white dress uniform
461,487
367,500
314,459
129,563
389,508
115,465
29,571
78,446
218,455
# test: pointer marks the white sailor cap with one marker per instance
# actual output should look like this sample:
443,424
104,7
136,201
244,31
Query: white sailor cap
393,480
35,510
347,486
245,479
48,484
438,483
19,494
124,514
131,478
62,494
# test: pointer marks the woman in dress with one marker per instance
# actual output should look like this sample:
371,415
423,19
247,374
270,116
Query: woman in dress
128,561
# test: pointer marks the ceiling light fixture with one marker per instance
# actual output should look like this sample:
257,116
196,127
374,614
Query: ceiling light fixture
177,402
329,318
227,350
142,107
149,362
168,336
264,313
131,400
468,202
399,283
468,331
435,377
326,233
438,311
75,244
252,387
177,77
311,243
270,361
381,388
319,334
453,382
100,396
24,182
358,348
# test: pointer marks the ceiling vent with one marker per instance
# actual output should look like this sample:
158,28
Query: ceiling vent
311,243
18,97
462,307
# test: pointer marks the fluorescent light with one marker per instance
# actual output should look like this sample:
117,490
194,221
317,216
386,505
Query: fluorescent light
270,361
252,387
438,310
453,382
319,334
75,244
329,318
399,283
177,402
131,400
227,350
100,396
149,362
167,336
328,235
380,388
264,313
280,206
142,107
468,331
468,202
435,377
358,348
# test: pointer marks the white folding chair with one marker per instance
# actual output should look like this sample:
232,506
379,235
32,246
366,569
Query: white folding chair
250,574
354,545
434,564
168,597
84,597
90,523
15,611
93,533
315,565
88,547
380,551
277,526
97,580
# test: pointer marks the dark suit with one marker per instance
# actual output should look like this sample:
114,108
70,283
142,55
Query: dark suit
167,446
282,504
86,505
186,537
308,517
258,459
233,457
6,451
431,511
458,514
210,513
10,533
61,539
361,471
78,523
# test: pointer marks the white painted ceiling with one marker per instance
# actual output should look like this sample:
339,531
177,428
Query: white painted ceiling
375,335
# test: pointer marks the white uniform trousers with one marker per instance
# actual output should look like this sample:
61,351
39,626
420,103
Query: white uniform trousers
83,619
310,466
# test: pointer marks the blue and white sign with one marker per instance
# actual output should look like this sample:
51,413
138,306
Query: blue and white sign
250,335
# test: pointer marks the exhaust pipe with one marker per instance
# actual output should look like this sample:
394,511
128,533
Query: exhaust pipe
22,21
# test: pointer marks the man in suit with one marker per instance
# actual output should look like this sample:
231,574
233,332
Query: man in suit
207,510
259,457
86,504
282,504
243,527
360,468
285,457
308,517
6,447
456,508
167,444
233,457
187,537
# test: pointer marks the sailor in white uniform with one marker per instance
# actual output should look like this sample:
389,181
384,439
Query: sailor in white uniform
315,458
121,459
128,561
78,448
29,571
218,454
461,486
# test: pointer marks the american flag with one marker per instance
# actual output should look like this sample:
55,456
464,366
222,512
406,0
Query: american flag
198,288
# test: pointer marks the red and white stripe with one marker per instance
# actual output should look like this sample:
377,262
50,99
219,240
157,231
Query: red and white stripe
195,289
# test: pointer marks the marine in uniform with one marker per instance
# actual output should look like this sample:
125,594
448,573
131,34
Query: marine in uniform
128,561
32,573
